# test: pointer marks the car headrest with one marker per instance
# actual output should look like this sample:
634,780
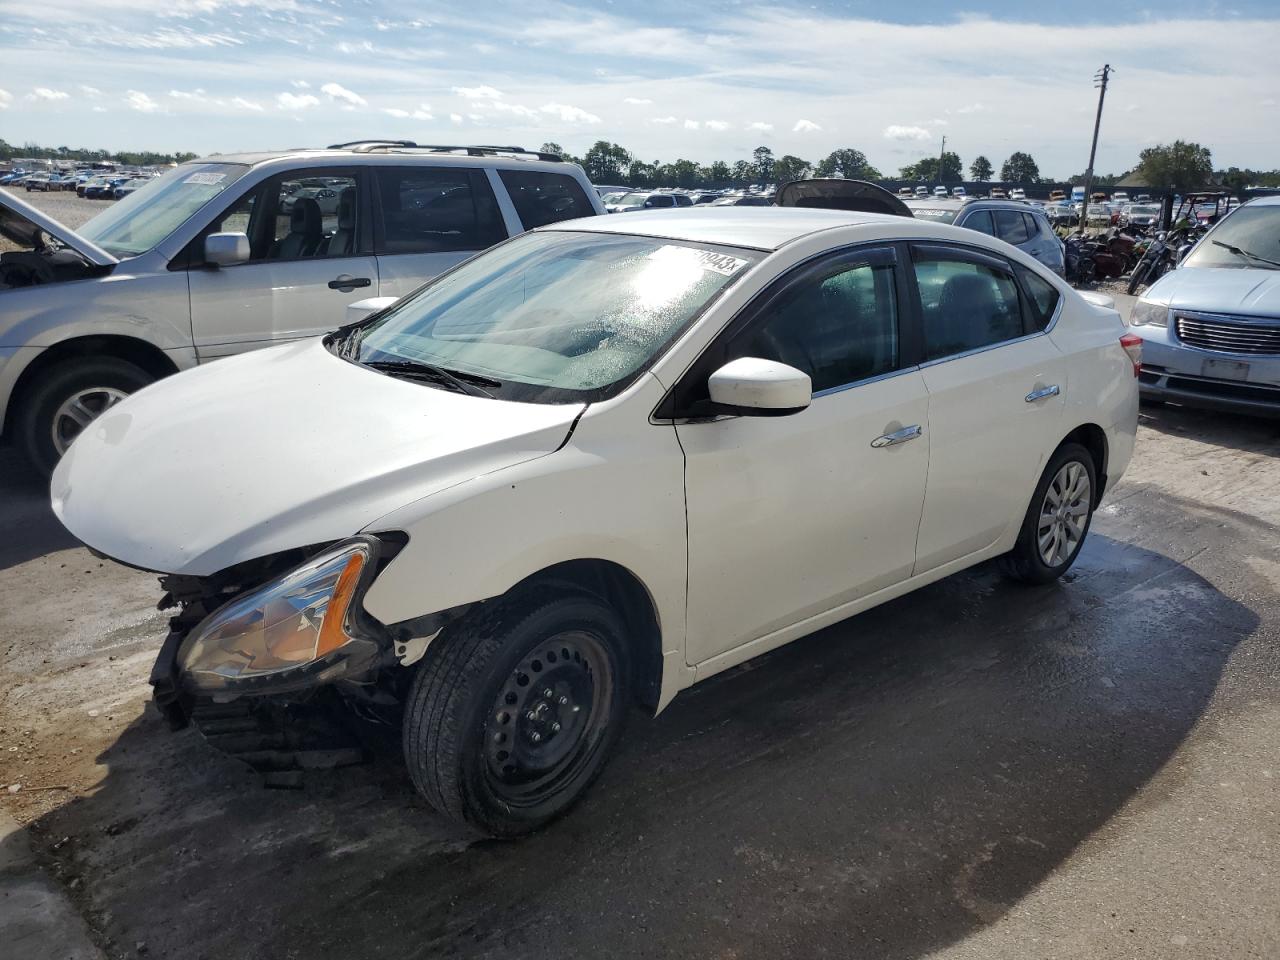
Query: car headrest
968,292
347,209
305,218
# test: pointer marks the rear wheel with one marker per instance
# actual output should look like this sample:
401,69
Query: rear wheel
67,398
512,716
1057,520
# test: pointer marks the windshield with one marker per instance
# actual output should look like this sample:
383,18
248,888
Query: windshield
556,315
632,198
149,214
936,214
1252,230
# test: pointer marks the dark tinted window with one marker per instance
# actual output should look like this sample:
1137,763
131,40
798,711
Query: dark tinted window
980,220
1011,227
541,198
966,305
1042,295
683,200
839,327
660,200
433,210
1033,225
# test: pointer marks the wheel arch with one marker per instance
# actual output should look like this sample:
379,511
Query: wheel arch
1094,439
139,352
625,592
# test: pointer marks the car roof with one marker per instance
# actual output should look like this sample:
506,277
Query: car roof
759,228
396,156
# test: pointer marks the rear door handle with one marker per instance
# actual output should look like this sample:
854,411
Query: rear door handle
1043,392
345,282
898,436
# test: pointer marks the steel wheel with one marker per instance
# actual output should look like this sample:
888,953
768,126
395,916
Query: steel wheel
1064,514
79,410
549,718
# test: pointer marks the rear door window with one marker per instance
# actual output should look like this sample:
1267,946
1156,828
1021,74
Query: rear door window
967,302
435,210
1011,227
1043,298
541,197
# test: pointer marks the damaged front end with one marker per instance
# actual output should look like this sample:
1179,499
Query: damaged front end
280,626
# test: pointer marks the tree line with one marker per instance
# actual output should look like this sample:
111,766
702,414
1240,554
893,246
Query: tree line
136,158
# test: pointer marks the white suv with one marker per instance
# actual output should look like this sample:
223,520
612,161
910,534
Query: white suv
609,458
228,254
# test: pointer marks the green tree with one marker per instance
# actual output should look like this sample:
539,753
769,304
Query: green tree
763,158
981,169
1020,168
719,172
683,173
552,147
605,162
641,174
926,168
1180,166
789,168
848,163
743,173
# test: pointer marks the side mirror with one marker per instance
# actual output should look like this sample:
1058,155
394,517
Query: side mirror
224,249
752,387
366,308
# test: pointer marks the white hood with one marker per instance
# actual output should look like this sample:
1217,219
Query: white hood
1252,292
276,449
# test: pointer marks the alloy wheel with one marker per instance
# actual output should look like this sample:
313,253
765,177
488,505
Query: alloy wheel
79,410
1064,513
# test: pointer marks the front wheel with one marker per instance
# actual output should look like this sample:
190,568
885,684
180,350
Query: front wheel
1057,520
67,398
512,715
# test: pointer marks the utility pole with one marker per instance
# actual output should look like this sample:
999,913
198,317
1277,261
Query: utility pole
1100,81
942,154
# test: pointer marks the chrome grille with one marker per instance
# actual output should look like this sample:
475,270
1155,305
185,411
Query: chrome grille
1229,335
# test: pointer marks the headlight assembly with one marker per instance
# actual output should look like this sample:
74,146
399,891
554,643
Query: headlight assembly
301,629
1148,314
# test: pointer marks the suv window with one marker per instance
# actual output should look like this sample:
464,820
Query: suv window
436,210
980,220
660,200
1043,297
966,304
1011,227
839,325
541,198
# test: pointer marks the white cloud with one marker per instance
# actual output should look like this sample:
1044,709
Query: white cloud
1267,102
664,121
395,112
759,127
972,108
568,114
99,109
364,46
717,125
805,126
514,108
300,84
137,100
478,93
89,91
484,49
6,98
637,101
455,118
196,94
244,104
44,93
296,101
691,124
899,132
422,113
335,91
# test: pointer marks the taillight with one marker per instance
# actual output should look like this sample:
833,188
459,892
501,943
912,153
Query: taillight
1132,344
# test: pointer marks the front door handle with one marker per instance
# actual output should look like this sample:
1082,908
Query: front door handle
345,282
1043,392
898,436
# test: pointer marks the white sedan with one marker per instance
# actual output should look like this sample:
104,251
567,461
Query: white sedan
601,462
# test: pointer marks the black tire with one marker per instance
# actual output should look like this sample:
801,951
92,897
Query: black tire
39,404
488,680
1138,277
1025,563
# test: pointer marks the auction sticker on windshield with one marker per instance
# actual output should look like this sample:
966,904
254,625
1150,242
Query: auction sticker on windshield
206,179
720,263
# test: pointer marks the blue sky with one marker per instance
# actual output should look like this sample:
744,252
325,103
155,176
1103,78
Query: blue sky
666,79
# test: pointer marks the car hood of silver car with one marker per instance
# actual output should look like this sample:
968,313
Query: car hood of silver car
1244,291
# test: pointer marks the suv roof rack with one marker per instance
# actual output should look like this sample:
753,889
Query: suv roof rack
473,150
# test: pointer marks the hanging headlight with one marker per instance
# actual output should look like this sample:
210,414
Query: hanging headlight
302,629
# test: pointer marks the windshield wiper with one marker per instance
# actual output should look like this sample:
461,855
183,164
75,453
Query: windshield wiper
471,384
1245,253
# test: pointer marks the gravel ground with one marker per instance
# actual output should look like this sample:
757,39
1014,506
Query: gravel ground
64,206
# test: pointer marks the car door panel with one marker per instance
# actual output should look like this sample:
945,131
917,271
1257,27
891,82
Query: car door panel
994,417
296,284
791,516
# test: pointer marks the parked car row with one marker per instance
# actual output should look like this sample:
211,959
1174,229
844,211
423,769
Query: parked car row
87,183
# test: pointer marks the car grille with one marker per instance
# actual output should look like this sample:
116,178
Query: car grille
1229,335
